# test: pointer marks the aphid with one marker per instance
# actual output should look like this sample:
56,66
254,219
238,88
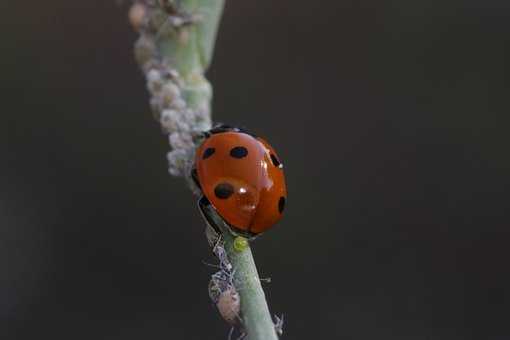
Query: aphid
241,177
229,306
222,290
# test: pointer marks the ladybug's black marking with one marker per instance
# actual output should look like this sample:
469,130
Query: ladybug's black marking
224,190
276,161
239,152
208,153
281,204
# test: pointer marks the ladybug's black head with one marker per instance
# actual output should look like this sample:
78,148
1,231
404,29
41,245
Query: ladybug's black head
220,128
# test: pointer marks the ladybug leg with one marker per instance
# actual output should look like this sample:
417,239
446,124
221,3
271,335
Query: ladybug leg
213,232
206,211
194,176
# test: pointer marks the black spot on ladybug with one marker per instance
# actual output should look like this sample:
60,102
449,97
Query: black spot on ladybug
208,153
224,190
239,152
281,204
276,161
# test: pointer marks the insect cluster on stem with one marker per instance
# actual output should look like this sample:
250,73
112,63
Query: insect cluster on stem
222,290
179,93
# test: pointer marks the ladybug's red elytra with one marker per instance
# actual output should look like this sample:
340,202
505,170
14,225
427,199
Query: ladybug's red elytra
241,176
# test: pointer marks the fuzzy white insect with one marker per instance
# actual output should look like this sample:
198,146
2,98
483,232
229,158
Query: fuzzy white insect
169,90
223,292
229,305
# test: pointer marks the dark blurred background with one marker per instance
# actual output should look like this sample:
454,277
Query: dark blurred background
392,119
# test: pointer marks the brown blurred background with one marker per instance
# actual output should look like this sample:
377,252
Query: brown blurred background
392,119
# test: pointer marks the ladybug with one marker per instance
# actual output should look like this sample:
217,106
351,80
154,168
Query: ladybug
241,177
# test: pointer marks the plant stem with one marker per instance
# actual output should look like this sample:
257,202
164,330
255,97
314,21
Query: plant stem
256,318
174,50
254,309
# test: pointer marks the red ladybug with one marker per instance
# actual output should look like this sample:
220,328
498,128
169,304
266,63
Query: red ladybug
241,176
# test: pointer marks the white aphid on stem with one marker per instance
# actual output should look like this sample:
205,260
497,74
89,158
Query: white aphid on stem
170,91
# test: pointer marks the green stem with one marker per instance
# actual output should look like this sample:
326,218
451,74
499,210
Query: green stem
256,319
188,47
254,309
